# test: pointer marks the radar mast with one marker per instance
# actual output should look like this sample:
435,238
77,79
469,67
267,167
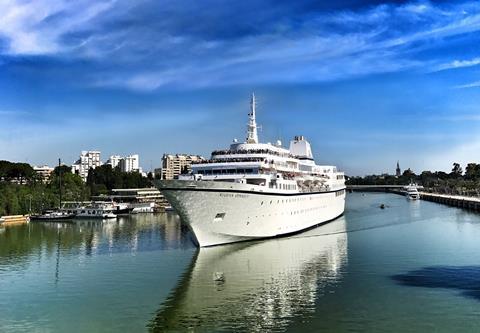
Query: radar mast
252,136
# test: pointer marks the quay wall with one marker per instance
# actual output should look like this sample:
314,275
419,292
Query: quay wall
470,203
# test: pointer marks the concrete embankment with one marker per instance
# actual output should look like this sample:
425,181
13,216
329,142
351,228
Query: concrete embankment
453,200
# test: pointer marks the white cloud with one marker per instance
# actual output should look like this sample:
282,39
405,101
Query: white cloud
26,26
468,85
459,64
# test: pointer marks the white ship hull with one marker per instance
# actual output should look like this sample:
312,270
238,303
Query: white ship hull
221,212
413,196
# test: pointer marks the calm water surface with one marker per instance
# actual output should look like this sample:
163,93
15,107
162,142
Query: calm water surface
414,266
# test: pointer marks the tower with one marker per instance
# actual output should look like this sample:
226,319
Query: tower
398,172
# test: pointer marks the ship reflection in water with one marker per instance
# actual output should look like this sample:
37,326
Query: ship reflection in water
264,285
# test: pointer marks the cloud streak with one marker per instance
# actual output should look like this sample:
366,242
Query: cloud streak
459,64
475,84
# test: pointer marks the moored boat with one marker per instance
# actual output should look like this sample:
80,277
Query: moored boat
411,192
52,216
97,210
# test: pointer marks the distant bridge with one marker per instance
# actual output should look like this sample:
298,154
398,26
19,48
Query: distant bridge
362,187
377,187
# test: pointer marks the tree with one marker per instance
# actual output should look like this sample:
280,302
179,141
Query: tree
456,171
184,170
104,178
471,171
20,171
63,169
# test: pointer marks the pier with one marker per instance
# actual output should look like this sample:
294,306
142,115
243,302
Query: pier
14,219
471,203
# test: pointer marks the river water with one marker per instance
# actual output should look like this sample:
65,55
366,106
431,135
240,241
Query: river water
411,267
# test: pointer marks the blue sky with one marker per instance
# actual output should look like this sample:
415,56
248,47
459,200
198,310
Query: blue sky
367,82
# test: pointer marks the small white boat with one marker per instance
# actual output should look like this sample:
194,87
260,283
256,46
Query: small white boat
97,210
411,191
142,207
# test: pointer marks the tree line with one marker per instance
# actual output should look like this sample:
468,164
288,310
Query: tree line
104,178
457,181
22,190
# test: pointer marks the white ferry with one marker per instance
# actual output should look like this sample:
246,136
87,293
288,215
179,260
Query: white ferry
256,190
411,191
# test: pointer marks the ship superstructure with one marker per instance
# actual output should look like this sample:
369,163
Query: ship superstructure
256,190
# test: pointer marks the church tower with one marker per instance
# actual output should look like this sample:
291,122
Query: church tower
398,172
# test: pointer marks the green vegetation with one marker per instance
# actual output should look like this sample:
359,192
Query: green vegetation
105,178
22,191
456,182
20,172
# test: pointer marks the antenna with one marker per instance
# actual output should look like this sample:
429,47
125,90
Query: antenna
60,182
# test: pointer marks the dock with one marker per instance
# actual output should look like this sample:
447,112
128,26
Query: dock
14,219
472,203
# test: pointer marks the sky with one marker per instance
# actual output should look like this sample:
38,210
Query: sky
366,82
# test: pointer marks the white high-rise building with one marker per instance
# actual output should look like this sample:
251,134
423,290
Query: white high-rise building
88,159
130,163
114,160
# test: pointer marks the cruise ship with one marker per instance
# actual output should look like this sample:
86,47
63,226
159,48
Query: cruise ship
256,190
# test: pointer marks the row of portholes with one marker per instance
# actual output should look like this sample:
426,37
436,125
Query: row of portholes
302,211
295,199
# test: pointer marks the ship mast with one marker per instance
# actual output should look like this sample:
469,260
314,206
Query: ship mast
252,136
